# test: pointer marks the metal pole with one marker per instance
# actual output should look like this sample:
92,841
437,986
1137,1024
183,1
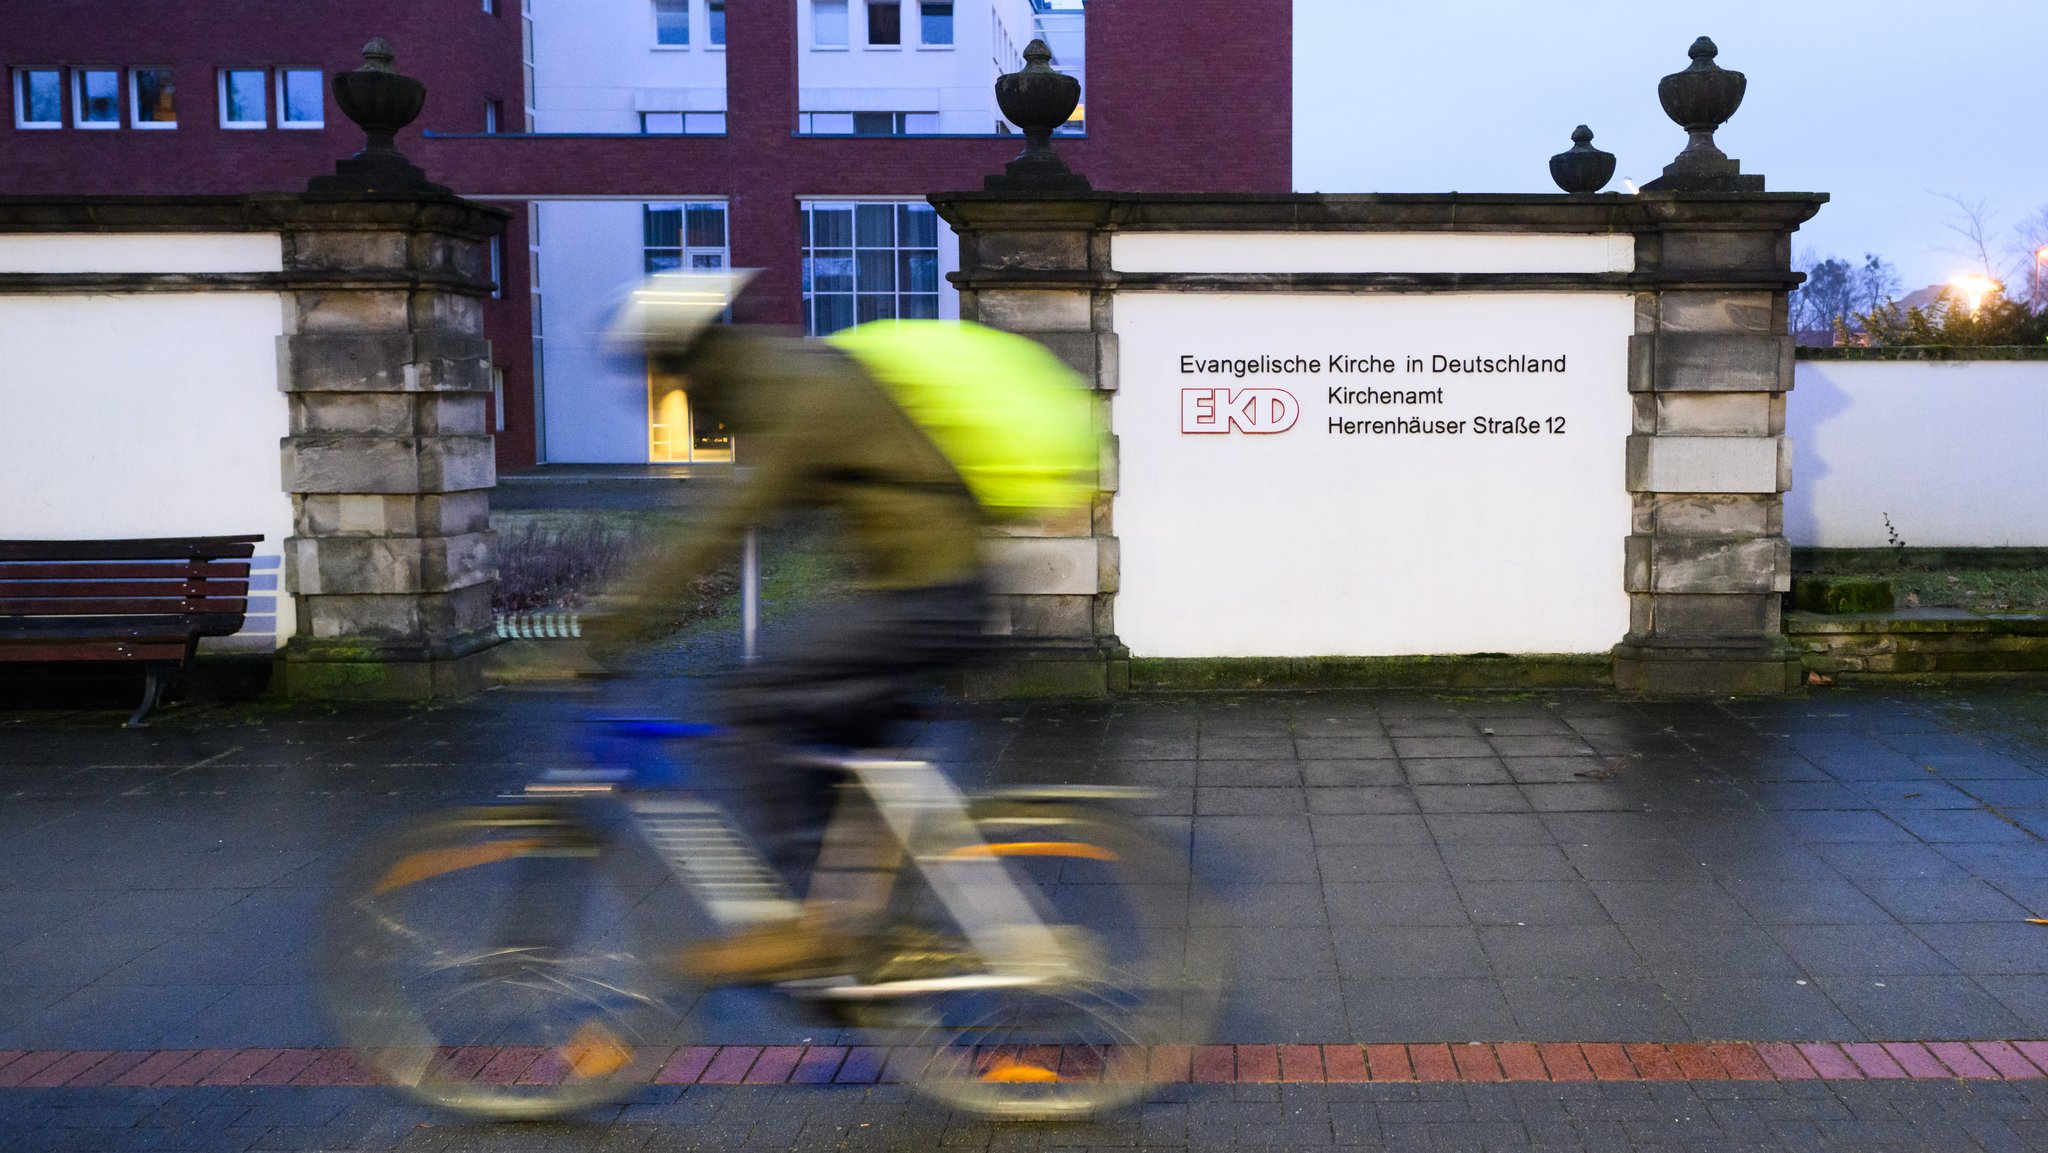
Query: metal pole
750,594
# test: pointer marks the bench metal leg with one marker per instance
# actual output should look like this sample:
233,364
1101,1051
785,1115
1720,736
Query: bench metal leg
152,691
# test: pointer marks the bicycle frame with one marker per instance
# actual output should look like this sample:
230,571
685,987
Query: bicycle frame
926,818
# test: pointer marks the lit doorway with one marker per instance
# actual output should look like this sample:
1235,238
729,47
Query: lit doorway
674,434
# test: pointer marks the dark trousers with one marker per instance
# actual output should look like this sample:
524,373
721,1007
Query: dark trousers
842,676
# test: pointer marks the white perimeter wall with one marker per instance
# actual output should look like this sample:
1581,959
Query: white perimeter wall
146,415
592,253
1309,542
1956,453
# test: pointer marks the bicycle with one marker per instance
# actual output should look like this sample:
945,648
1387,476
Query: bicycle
1026,948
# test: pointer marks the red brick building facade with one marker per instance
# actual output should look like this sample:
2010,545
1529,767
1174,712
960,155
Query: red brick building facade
1184,95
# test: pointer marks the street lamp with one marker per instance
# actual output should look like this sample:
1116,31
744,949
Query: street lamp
1974,288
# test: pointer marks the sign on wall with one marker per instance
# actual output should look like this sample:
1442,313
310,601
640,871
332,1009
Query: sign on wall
1371,474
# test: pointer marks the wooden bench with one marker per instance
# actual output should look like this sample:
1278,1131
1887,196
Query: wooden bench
122,600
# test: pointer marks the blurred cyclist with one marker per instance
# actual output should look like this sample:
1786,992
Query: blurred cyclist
916,435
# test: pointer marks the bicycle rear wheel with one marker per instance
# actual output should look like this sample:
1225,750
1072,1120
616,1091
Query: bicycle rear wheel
489,961
1117,898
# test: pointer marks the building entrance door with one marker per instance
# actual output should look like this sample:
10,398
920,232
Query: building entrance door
674,434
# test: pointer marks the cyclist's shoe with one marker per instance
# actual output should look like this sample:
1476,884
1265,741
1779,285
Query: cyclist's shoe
796,949
911,953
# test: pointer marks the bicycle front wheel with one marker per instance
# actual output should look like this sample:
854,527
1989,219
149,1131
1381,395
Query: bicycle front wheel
1117,899
488,961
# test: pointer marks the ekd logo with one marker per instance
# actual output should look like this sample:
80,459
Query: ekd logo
1252,410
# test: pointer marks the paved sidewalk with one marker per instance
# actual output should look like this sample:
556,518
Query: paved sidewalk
1833,877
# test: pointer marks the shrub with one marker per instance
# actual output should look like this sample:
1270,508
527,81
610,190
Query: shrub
2000,320
541,568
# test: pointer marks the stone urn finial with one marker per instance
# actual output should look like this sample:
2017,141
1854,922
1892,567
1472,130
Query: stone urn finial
1582,167
1037,100
1701,98
381,102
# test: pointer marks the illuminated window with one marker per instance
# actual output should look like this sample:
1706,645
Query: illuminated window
150,94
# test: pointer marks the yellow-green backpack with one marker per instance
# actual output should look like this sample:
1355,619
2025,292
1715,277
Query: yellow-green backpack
1017,424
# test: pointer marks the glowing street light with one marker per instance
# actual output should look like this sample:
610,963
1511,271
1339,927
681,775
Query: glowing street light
2040,254
1974,288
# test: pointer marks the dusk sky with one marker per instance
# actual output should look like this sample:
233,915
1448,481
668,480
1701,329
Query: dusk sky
1889,105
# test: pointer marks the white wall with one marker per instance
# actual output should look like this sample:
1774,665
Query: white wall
145,415
597,67
1954,452
592,252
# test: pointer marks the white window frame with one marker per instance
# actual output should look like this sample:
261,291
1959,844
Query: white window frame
867,23
948,46
811,15
21,99
806,205
283,108
689,31
78,119
221,86
135,119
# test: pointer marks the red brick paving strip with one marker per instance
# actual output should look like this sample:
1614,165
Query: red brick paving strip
63,1069
1433,1062
1207,1064
1785,1061
775,1065
1345,1063
1520,1061
1475,1063
1960,1058
1874,1061
1299,1063
1609,1062
2006,1060
1654,1063
1565,1062
820,1064
1389,1063
1258,1063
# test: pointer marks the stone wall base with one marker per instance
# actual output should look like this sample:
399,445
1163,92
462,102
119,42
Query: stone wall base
1932,644
321,671
1706,670
1463,671
1048,668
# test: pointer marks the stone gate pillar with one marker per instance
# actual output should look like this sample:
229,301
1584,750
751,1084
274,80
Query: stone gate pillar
389,461
1708,463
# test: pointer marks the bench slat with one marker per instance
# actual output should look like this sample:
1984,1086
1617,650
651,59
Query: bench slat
123,570
115,606
125,590
16,629
159,548
95,651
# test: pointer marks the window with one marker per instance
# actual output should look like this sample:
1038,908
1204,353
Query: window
867,123
491,9
828,23
684,236
935,22
878,124
150,94
682,123
867,262
300,98
242,99
96,98
498,399
498,267
494,114
672,23
885,22
38,98
716,10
